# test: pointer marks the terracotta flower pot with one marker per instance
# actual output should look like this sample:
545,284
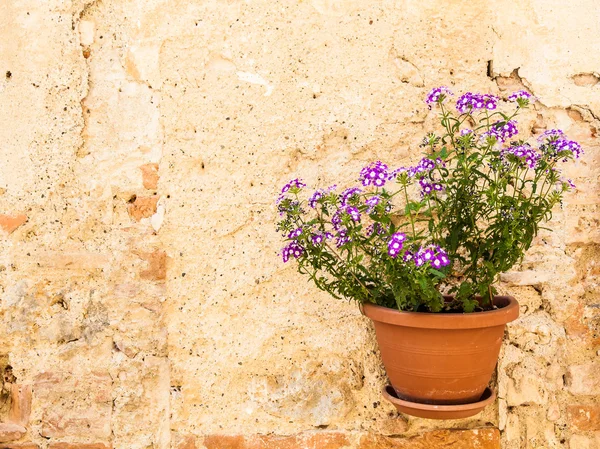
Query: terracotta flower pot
441,358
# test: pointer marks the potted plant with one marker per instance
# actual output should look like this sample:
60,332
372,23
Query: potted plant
420,247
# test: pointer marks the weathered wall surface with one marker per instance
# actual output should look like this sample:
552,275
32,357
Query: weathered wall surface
143,303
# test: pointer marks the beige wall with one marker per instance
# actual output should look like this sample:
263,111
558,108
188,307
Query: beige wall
143,297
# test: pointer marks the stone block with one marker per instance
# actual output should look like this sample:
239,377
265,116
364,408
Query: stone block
484,438
11,432
584,417
20,404
584,379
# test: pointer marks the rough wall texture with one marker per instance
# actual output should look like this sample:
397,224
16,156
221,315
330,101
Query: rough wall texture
143,304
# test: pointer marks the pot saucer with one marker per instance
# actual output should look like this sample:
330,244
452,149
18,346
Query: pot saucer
432,411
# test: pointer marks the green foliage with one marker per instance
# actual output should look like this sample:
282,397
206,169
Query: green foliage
491,200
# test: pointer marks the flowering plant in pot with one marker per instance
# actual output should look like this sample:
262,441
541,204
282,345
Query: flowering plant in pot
420,247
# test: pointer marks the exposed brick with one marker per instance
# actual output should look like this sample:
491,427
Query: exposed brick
11,222
19,446
321,440
183,441
486,438
157,266
583,324
11,432
584,379
78,446
20,405
584,417
142,207
150,176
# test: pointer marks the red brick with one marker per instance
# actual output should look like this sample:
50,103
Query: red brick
485,438
157,266
584,417
143,207
78,446
321,440
11,222
11,432
150,176
19,446
583,324
183,441
20,404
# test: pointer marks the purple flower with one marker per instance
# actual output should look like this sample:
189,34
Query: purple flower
293,249
372,203
375,174
470,102
571,184
394,174
353,212
342,238
312,201
297,183
551,135
523,153
434,255
464,132
426,164
295,233
426,188
395,244
503,131
320,193
521,95
568,145
374,228
437,95
348,194
317,238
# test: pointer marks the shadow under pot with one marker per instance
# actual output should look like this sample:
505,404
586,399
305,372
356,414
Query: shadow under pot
439,362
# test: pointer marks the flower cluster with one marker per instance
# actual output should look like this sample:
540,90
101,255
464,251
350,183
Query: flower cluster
375,228
437,95
554,142
523,153
503,131
319,238
293,249
433,255
349,194
469,102
295,233
294,183
395,244
372,203
318,194
568,145
375,174
551,135
427,188
521,95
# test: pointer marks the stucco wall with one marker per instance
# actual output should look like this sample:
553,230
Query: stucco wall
144,303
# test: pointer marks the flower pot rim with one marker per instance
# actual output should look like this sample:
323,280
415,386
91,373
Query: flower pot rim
508,312
432,411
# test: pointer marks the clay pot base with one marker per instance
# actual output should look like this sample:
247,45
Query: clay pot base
431,411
